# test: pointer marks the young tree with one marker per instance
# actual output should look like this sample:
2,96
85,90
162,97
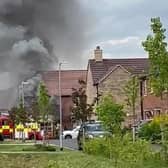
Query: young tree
19,116
81,111
35,112
111,114
43,101
22,115
156,47
35,117
131,92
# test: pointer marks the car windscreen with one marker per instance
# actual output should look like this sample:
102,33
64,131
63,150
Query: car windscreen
94,127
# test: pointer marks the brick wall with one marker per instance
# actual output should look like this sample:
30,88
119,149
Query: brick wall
114,84
90,89
152,104
66,110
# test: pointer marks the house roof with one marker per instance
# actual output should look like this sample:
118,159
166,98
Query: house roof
69,80
100,68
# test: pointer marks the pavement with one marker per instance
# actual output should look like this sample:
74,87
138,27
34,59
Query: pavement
67,143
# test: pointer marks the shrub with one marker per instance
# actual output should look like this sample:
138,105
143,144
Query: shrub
97,146
40,147
120,149
150,131
110,113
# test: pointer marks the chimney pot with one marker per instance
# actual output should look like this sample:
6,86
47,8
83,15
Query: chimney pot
98,47
98,54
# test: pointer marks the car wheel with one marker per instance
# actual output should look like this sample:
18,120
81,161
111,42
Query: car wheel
80,146
31,137
1,137
68,137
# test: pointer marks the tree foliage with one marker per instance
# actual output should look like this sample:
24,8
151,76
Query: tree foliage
43,101
110,113
131,92
81,111
22,115
13,114
35,112
156,47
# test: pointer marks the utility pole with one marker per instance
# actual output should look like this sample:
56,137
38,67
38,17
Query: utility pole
22,92
60,108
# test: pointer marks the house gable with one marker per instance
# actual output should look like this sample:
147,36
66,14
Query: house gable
114,83
90,88
112,70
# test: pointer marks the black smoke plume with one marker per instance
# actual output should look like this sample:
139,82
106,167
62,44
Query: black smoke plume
33,35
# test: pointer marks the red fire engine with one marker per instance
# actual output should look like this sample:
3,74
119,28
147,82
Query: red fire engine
6,127
7,130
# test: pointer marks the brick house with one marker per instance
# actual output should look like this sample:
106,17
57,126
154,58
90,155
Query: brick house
69,80
153,105
111,76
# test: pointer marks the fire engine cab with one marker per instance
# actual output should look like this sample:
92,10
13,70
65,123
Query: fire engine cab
6,127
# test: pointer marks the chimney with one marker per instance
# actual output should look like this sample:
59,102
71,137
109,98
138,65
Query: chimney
98,54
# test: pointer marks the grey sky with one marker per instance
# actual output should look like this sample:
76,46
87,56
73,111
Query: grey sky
121,25
69,30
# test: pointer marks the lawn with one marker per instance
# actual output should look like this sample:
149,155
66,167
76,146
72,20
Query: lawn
15,148
69,159
65,159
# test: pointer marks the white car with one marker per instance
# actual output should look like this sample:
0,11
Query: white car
71,134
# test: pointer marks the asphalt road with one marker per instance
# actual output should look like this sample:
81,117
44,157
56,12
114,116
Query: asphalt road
68,143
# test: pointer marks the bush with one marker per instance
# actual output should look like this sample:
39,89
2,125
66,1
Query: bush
97,146
150,131
40,147
120,149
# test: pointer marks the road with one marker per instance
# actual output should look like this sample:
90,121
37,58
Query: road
68,143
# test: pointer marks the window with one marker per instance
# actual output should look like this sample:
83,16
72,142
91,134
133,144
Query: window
157,112
5,122
148,114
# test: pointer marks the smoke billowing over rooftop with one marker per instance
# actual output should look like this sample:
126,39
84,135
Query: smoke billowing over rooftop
33,35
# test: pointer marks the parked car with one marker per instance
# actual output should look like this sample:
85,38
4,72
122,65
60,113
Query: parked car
71,134
90,130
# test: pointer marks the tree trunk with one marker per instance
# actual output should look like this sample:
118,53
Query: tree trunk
133,128
44,132
35,136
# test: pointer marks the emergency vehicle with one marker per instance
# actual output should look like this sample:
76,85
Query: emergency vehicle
29,131
6,127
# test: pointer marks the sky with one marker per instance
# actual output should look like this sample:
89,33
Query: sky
70,33
120,26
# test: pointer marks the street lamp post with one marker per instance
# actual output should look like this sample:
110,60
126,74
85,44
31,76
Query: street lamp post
22,92
60,108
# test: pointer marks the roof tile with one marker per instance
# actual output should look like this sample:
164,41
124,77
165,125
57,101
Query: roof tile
135,66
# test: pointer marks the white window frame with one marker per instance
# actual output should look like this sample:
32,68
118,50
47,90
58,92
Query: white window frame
145,88
157,109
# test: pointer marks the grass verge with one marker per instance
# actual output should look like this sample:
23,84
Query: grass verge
64,160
